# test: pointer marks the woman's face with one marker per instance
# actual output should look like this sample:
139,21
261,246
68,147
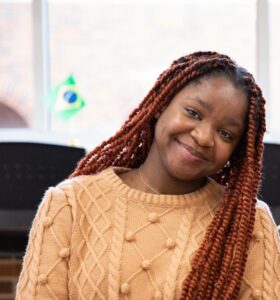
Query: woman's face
199,130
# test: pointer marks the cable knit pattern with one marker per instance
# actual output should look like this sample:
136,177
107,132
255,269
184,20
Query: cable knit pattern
47,275
94,237
268,256
116,250
271,257
183,236
262,274
92,226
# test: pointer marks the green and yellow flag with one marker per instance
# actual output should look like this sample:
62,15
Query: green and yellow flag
65,99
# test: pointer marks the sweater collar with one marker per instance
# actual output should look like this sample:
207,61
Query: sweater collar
210,194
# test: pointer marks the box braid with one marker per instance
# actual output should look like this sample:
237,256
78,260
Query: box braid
219,263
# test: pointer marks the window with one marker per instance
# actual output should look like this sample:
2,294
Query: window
116,49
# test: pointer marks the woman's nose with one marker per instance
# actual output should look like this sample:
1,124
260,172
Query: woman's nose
203,135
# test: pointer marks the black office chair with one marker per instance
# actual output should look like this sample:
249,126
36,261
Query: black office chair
26,171
271,179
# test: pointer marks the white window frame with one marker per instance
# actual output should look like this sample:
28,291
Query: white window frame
41,65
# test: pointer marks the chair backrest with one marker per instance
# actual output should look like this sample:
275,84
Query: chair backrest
271,179
26,171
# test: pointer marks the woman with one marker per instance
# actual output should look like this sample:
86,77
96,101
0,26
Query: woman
166,208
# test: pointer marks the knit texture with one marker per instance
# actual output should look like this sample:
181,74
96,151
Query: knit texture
94,237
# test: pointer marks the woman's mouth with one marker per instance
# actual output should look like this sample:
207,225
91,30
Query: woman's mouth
189,153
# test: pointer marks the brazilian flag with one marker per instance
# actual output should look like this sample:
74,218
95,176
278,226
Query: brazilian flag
65,99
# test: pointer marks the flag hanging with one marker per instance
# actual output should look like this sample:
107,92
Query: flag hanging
65,99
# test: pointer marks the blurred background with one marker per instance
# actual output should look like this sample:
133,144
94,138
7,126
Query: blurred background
115,49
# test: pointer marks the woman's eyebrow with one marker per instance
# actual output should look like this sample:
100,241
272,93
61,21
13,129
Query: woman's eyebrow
202,103
232,122
229,120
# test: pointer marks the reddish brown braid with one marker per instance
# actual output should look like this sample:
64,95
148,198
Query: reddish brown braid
219,263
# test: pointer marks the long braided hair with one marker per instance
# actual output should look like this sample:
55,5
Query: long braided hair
219,263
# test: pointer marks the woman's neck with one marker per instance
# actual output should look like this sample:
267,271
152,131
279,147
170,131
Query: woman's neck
152,178
164,183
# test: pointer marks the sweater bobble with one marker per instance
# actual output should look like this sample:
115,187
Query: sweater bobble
258,235
257,295
125,288
42,279
153,217
158,295
170,243
47,222
64,253
130,236
146,264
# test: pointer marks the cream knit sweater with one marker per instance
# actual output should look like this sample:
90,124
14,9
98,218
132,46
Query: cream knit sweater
94,237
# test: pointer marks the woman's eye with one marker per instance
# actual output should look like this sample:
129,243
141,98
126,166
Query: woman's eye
192,113
226,135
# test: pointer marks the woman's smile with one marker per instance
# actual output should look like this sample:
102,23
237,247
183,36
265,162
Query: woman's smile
188,153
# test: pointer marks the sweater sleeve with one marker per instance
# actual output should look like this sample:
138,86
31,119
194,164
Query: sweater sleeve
45,264
262,273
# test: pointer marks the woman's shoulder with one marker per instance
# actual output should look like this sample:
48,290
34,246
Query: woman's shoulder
264,218
83,182
263,207
265,226
78,187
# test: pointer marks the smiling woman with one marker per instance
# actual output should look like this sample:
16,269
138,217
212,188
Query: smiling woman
194,136
166,208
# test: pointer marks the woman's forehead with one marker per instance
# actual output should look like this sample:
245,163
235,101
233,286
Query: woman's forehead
215,95
207,89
